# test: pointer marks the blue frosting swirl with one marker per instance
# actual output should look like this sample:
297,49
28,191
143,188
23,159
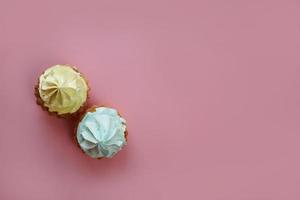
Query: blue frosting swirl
101,133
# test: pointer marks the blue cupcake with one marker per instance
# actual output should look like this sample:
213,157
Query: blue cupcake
102,132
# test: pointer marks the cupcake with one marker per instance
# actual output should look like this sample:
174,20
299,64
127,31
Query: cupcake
62,90
101,132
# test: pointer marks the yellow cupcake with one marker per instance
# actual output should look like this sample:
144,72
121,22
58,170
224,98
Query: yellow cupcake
62,90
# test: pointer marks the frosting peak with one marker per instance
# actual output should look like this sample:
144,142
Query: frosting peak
101,133
62,89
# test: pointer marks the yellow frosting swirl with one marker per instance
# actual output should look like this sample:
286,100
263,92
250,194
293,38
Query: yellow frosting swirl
62,89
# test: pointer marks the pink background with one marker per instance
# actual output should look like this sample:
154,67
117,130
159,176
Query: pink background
210,90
